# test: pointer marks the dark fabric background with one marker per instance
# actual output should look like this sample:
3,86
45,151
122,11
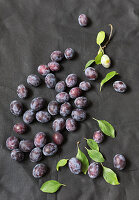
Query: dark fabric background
29,31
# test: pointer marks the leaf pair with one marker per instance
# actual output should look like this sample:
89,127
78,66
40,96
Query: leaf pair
106,128
94,153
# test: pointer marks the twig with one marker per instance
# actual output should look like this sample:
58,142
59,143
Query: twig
111,27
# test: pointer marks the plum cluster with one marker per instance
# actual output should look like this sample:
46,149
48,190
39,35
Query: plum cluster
36,149
67,90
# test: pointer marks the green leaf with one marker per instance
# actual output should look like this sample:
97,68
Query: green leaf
51,186
92,144
90,62
107,78
110,176
106,128
61,163
98,58
85,163
95,155
100,37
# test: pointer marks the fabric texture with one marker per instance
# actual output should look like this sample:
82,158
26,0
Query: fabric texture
29,31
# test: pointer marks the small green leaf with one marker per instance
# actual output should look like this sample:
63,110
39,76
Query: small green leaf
110,176
82,157
98,58
61,163
107,78
92,144
106,128
100,37
95,155
90,62
51,186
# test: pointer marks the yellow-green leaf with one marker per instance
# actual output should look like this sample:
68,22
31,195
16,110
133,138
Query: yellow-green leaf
61,163
92,144
90,62
82,157
106,128
95,155
109,76
98,58
100,37
51,186
109,176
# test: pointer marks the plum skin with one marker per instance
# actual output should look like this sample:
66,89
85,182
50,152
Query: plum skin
119,86
29,116
119,161
94,170
71,125
20,128
71,80
43,116
39,170
33,80
74,166
26,145
12,142
98,136
50,149
58,138
81,102
17,154
37,103
75,92
57,56
78,114
43,70
54,66
69,53
16,108
60,86
83,20
50,80
62,97
35,154
40,139
65,109
91,73
58,124
85,86
22,91
53,107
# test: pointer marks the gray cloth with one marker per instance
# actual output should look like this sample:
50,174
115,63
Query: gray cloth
29,31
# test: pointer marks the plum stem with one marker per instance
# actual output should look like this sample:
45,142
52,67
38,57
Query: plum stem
111,27
78,143
94,118
63,185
